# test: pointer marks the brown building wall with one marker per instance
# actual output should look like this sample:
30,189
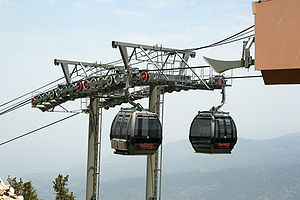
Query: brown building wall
277,40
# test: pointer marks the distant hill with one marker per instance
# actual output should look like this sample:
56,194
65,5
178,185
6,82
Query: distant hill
256,169
276,182
180,157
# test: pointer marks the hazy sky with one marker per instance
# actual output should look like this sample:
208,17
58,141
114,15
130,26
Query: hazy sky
33,33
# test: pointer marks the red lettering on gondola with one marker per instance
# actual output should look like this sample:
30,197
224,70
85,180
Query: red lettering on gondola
223,144
146,145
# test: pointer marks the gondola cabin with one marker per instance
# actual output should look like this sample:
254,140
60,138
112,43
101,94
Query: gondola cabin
135,132
213,133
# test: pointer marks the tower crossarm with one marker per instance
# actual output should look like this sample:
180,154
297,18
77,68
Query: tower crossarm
145,65
113,88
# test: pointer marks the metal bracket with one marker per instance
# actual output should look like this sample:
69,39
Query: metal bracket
217,108
147,50
182,64
247,60
160,70
183,60
65,68
124,55
66,63
116,44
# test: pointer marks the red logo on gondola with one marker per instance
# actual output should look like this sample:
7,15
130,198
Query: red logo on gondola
146,145
223,144
144,76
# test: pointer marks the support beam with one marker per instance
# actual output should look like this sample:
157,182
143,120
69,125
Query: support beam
91,181
124,55
86,64
152,160
65,69
182,64
116,44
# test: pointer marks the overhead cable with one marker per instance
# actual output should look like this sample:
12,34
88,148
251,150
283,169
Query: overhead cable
15,106
23,102
26,101
233,38
221,41
30,92
35,130
242,77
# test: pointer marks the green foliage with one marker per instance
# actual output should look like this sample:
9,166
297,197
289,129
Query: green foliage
24,189
61,190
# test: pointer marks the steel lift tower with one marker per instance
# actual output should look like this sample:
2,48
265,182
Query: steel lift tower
143,72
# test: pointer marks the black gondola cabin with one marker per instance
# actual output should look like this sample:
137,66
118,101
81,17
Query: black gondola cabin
135,132
213,133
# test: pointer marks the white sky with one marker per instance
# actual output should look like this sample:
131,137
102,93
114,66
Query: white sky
33,33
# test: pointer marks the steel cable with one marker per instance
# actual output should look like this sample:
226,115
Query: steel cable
35,130
218,43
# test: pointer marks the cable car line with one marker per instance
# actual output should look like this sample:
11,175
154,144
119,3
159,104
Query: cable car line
22,103
19,105
178,68
221,41
231,41
236,38
15,104
244,33
28,100
242,77
31,92
35,130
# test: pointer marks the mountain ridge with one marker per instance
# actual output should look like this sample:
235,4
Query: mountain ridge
254,161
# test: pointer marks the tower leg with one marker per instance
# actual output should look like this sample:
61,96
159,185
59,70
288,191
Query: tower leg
152,164
91,180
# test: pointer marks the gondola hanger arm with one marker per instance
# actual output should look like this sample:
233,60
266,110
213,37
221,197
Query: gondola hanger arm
217,108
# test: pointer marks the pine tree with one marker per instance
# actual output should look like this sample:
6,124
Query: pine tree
24,189
29,192
61,190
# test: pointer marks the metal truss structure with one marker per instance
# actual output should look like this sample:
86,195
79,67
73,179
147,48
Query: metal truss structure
118,84
141,69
